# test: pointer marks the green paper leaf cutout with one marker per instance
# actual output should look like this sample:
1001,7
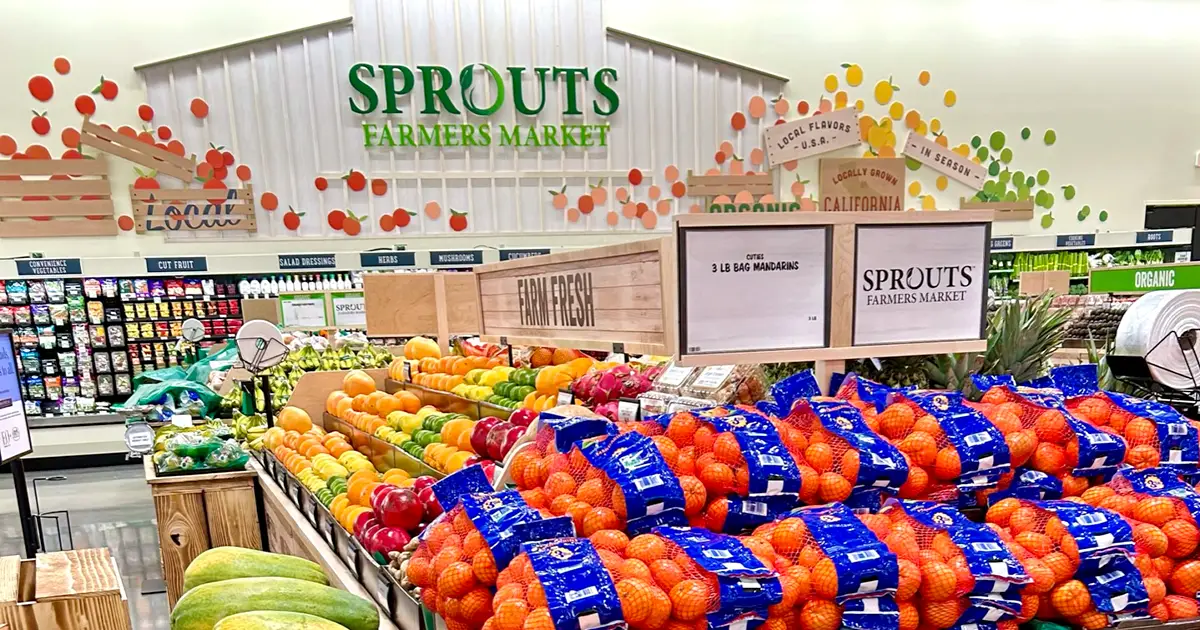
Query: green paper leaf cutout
994,169
1010,195
996,141
976,141
982,153
1006,155
1047,220
1043,177
1025,133
1068,192
912,164
1103,216
1005,176
1050,137
1030,181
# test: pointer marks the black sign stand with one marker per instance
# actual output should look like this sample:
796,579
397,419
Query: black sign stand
28,529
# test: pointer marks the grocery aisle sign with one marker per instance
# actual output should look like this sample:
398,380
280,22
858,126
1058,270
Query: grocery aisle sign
920,283
349,309
944,161
305,310
1144,279
811,136
752,289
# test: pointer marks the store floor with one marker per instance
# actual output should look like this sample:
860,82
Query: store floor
110,507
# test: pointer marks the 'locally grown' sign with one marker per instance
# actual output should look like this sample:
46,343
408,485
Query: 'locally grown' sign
379,89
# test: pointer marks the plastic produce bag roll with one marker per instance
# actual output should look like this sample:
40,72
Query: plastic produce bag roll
1148,330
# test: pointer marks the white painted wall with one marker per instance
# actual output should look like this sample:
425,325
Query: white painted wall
1112,77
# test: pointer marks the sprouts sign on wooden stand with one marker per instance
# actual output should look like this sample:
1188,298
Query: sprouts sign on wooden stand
604,298
825,286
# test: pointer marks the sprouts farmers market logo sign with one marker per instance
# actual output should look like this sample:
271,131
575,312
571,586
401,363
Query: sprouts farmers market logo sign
380,88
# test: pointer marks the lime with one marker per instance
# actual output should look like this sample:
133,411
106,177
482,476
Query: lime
989,188
1018,177
1084,212
1025,133
1022,191
1103,216
912,164
996,141
981,153
976,141
1047,220
1030,181
1068,192
1081,216
1043,177
1010,195
1050,137
1006,155
994,168
1005,176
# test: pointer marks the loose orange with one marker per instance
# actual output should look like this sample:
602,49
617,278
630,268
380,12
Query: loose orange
1155,511
1035,543
1149,539
1181,607
921,447
598,519
1185,579
941,614
666,573
646,547
1049,458
510,614
1141,432
896,421
819,456
1156,589
1182,538
1051,426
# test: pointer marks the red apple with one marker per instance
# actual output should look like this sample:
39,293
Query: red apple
388,539
398,507
479,434
422,482
364,520
523,417
510,440
489,469
495,440
432,507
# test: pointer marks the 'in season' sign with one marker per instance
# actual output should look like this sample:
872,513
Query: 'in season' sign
560,299
944,161
811,136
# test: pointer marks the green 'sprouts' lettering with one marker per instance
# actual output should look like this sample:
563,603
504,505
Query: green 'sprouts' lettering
389,86
519,89
485,132
427,136
510,136
370,130
467,78
385,136
435,91
406,136
569,75
600,78
362,87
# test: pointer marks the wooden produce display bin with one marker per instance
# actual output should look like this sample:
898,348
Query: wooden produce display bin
64,590
614,298
409,304
198,512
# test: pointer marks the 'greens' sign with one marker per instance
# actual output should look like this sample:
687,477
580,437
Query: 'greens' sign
379,88
1145,279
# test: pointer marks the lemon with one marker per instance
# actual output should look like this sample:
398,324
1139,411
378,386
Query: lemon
914,189
883,92
831,83
950,98
854,75
942,182
935,125
927,203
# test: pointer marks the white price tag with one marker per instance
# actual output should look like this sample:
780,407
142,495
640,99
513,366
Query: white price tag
309,506
628,410
383,588
182,420
565,397
675,376
407,372
712,376
326,527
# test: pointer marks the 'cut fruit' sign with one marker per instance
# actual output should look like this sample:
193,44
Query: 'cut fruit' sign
862,184
811,136
944,160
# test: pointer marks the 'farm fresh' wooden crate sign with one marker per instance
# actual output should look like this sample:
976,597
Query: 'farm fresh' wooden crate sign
590,299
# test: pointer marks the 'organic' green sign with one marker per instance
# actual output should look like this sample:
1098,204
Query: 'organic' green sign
1145,279
439,93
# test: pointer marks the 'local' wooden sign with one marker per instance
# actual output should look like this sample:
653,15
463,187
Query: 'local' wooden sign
862,184
944,161
811,136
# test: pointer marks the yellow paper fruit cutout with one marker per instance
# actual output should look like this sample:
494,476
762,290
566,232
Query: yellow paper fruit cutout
896,111
914,189
942,182
884,90
928,203
950,98
923,78
831,83
854,74
839,100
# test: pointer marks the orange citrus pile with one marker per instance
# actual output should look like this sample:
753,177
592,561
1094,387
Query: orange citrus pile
456,570
1140,434
933,462
1037,437
828,464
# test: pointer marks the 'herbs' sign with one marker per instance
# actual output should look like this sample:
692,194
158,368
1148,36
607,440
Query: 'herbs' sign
380,88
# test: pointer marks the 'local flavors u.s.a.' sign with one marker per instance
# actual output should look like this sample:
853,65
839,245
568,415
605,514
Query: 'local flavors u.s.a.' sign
379,89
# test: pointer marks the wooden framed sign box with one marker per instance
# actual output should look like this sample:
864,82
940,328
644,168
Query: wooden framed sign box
423,303
827,286
604,298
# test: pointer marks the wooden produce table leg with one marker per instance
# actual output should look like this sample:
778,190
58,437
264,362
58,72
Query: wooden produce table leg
182,535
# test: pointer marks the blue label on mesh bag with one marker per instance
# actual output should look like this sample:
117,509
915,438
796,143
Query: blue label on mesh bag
1163,482
1178,439
868,391
456,485
1116,587
768,462
982,451
984,382
571,429
1030,484
545,528
496,516
994,594
652,492
865,566
745,585
880,463
579,591
868,500
987,556
743,514
786,391
1076,380
1099,533
871,613
1041,382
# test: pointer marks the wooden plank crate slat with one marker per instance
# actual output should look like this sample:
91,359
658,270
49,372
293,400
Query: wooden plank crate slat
138,152
76,200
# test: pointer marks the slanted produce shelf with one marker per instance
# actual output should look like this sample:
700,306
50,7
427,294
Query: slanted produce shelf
298,524
383,454
450,403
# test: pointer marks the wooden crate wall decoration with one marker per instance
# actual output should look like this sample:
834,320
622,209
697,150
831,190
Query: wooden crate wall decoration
42,198
712,186
1005,210
193,209
164,162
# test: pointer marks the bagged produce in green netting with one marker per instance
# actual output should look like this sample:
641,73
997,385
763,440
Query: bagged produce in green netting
223,359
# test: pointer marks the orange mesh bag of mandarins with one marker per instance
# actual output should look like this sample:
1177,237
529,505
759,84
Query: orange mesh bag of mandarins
950,447
564,584
865,395
1079,557
736,464
1043,435
849,461
833,571
1155,433
951,571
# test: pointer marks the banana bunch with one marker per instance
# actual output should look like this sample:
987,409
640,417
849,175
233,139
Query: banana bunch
248,427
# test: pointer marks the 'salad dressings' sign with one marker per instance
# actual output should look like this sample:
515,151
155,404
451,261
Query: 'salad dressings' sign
434,90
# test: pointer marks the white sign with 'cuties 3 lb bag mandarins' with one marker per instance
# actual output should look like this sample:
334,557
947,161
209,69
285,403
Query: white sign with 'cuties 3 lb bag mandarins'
920,283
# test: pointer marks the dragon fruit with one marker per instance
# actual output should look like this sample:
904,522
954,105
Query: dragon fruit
620,381
608,410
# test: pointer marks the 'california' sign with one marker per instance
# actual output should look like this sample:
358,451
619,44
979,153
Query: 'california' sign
380,88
